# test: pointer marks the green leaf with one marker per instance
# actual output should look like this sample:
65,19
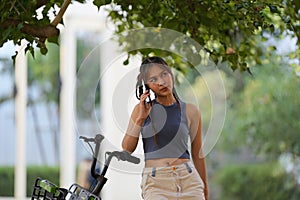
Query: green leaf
20,25
100,3
13,57
43,50
30,49
272,48
126,62
53,39
273,9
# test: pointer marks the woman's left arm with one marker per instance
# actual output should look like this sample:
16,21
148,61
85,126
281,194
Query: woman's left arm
195,125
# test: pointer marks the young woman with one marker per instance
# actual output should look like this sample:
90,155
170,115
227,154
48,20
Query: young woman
166,125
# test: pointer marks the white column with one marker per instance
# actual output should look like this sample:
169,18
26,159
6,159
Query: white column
20,117
67,105
117,84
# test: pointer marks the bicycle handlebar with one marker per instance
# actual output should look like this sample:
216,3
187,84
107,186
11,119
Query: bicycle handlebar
124,156
100,177
120,155
97,139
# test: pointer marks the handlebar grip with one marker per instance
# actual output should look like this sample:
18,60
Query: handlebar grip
86,139
124,156
134,160
99,138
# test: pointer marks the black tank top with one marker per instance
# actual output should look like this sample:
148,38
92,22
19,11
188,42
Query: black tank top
169,124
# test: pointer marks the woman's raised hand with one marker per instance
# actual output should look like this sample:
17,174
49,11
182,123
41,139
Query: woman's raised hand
144,107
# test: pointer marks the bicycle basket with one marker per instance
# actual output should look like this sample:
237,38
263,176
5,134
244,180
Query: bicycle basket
77,192
44,189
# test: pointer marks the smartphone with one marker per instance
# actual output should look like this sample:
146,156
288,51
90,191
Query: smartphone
142,88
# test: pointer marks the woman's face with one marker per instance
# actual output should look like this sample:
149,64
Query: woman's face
160,81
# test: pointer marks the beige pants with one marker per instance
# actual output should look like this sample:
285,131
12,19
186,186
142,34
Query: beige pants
179,182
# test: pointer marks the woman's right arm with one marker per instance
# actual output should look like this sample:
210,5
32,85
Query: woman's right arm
138,116
131,137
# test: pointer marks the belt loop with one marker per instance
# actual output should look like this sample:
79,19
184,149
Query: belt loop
153,172
188,167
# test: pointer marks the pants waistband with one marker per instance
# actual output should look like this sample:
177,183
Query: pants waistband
154,170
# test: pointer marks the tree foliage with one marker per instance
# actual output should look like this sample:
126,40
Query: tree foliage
268,181
229,30
263,115
270,113
36,21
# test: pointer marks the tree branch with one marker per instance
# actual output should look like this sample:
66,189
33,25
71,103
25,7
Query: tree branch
61,13
33,30
41,3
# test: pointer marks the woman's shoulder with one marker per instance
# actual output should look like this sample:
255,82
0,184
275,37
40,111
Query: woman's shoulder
192,110
192,114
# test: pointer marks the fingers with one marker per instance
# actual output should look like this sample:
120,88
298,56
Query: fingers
143,101
144,96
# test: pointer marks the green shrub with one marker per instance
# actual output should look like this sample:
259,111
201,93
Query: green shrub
256,182
7,178
49,173
6,181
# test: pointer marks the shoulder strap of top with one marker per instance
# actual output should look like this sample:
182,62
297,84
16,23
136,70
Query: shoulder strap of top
183,110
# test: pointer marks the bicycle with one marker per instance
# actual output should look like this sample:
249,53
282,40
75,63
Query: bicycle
44,189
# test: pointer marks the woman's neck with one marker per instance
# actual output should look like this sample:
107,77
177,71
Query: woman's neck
167,100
